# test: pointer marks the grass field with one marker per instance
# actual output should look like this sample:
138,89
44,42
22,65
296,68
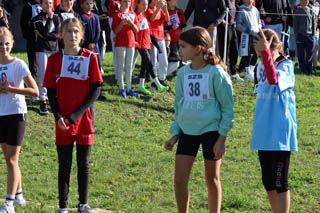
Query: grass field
131,171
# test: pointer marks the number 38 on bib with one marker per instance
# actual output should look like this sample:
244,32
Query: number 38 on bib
196,87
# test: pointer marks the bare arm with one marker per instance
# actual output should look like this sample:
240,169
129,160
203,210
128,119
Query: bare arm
31,90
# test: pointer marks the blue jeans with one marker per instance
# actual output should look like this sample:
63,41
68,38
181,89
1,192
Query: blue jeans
305,45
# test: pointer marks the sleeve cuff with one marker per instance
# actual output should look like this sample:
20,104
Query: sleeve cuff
223,132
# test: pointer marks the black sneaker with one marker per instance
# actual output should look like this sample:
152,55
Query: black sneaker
43,109
102,97
154,86
164,83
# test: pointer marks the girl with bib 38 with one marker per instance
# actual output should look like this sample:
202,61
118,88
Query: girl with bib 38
73,80
203,115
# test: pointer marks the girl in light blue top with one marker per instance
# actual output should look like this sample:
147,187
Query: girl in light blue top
274,131
203,115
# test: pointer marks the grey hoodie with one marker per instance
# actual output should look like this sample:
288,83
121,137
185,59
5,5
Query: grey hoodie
248,20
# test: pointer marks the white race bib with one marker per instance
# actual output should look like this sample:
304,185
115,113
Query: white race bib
244,44
196,87
76,67
66,16
128,16
174,19
144,24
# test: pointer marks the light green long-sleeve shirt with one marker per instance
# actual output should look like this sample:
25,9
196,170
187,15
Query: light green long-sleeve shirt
203,101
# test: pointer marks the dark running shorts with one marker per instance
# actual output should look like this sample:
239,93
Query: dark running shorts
189,144
12,128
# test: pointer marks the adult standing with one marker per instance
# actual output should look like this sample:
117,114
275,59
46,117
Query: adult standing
273,13
208,14
232,38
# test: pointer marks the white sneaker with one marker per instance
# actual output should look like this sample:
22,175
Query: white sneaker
64,210
249,74
6,209
236,77
19,202
85,209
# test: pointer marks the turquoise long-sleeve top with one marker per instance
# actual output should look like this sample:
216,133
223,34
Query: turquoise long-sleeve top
203,102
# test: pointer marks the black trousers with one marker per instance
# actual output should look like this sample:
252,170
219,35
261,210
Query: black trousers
232,46
31,53
146,65
65,162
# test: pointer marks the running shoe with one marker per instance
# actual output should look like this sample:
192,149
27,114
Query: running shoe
5,208
236,77
131,93
143,90
85,208
162,88
122,93
19,202
62,210
43,109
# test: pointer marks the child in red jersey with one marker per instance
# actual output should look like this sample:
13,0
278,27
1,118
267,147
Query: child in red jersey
124,25
144,45
73,80
175,27
158,18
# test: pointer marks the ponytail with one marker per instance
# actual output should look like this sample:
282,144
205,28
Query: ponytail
212,59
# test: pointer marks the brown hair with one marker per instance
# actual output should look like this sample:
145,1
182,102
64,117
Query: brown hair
200,36
5,32
73,21
276,43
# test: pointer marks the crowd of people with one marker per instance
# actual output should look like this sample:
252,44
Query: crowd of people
66,41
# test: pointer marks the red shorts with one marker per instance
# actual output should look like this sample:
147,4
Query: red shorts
80,139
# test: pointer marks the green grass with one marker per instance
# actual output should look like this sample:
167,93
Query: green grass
131,171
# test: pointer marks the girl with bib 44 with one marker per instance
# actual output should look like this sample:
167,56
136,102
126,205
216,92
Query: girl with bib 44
14,73
203,115
274,131
73,81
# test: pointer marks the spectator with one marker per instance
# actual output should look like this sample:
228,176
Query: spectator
207,14
304,25
30,10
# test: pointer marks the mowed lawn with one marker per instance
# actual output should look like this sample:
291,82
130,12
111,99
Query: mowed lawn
131,172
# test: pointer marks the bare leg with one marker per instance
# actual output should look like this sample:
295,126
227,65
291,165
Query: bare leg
280,203
213,184
183,167
11,154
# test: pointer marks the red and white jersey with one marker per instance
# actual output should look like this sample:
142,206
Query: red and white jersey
72,76
143,37
126,36
158,23
176,17
14,73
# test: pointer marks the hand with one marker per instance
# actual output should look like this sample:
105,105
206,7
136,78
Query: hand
284,18
124,21
3,85
129,21
103,16
63,124
176,26
171,142
219,148
91,46
268,20
260,43
211,28
50,14
164,4
223,22
1,12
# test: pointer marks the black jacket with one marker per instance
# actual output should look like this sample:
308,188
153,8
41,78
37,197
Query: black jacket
48,28
29,11
279,7
206,12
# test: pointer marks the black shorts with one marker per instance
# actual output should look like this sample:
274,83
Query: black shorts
189,144
275,167
12,128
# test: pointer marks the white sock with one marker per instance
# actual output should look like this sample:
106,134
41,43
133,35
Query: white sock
297,60
9,200
157,82
141,84
19,194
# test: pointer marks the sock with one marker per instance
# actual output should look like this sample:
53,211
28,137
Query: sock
157,82
9,200
19,194
141,84
297,60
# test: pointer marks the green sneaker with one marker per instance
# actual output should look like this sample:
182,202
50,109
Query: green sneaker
162,88
144,91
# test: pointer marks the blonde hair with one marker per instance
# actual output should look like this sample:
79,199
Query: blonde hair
73,21
5,32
